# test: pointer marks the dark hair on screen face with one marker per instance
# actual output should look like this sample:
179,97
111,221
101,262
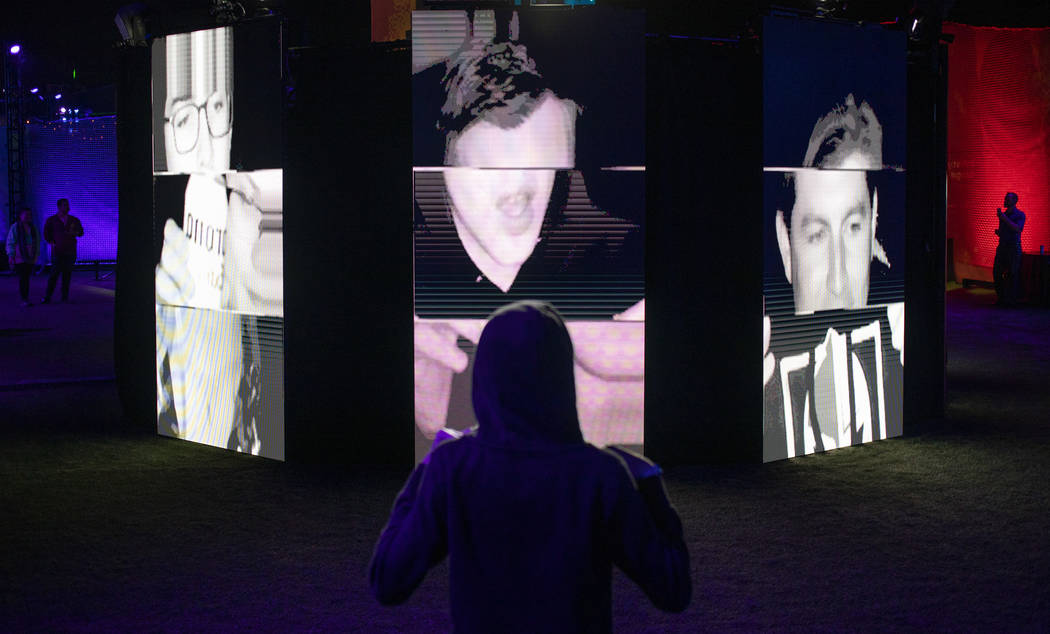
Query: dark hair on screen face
494,81
524,388
847,131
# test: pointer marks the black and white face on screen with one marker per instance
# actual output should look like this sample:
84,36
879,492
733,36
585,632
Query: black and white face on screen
198,112
833,332
492,216
499,200
827,247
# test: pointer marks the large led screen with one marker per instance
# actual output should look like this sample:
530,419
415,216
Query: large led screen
833,224
529,182
218,218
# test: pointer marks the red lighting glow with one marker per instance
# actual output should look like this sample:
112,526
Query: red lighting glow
998,133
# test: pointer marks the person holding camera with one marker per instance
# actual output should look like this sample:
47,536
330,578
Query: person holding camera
1007,266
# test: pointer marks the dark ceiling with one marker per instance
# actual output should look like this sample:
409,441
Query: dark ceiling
81,37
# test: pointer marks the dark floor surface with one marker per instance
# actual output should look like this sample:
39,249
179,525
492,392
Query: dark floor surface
106,529
56,342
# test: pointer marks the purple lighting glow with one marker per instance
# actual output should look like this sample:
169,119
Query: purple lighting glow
58,96
16,49
34,90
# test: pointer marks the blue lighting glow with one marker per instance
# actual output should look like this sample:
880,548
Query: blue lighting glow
16,49
34,90
58,96
78,162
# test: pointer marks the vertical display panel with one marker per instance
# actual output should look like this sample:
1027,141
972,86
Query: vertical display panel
833,222
529,183
218,239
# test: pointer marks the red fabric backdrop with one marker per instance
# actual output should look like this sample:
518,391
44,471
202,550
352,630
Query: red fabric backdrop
998,128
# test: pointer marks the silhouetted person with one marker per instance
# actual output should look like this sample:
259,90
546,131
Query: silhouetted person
61,231
23,248
1007,267
531,517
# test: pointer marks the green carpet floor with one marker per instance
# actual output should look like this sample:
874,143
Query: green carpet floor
106,529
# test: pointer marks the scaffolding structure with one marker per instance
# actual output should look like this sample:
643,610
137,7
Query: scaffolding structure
14,124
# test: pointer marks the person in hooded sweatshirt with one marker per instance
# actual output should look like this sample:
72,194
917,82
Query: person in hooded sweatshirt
531,517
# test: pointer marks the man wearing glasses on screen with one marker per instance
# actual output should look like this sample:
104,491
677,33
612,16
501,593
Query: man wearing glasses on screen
509,139
198,113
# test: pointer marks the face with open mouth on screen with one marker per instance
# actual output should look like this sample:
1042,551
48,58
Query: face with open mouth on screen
501,181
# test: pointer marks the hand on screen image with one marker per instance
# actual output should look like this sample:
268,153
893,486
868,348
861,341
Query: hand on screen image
254,262
243,270
769,362
609,350
437,358
174,282
609,370
190,271
610,379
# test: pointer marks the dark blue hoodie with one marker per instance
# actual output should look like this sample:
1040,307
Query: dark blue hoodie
531,517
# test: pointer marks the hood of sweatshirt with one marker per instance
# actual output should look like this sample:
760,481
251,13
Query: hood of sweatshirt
524,389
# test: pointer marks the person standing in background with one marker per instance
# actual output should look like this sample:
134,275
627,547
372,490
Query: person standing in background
23,248
1007,267
61,232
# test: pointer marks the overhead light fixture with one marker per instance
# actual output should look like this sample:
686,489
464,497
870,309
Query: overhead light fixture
58,96
227,11
828,8
130,21
15,49
34,91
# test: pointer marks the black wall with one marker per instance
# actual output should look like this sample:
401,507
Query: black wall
134,355
925,271
703,384
348,256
